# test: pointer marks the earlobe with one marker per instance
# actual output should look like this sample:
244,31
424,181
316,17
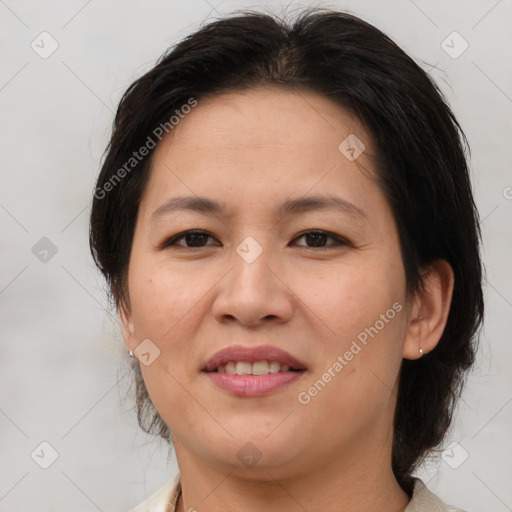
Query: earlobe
127,327
430,312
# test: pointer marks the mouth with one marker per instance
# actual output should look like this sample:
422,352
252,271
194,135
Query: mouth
262,360
253,371
258,368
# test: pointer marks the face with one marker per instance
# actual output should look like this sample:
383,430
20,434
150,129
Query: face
322,281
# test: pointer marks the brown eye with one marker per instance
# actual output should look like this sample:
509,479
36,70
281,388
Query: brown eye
315,239
192,238
318,238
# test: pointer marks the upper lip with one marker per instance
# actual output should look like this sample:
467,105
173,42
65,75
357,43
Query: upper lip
251,355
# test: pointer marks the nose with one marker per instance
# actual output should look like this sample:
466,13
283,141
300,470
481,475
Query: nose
253,293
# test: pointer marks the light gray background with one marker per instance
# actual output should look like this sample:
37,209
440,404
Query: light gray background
61,356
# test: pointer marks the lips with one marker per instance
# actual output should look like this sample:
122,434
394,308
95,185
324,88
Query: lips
239,353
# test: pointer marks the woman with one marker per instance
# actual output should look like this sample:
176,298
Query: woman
285,221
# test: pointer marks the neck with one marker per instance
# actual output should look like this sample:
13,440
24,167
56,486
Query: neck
356,482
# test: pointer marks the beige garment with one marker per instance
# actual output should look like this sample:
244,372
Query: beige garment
422,499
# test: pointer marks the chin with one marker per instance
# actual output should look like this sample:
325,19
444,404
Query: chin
257,453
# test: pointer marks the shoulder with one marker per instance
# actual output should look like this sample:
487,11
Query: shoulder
424,500
158,501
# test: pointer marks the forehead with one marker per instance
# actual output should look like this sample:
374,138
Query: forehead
269,116
260,143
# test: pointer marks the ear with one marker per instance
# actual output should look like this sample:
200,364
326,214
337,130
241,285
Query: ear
429,312
127,327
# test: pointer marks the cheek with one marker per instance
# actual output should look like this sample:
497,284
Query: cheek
363,309
166,305
161,297
361,351
350,299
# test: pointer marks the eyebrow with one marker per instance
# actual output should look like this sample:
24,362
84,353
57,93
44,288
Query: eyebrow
290,207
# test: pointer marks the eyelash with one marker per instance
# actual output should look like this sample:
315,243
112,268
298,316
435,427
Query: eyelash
339,240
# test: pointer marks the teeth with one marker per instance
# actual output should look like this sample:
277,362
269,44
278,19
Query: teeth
274,367
258,368
243,368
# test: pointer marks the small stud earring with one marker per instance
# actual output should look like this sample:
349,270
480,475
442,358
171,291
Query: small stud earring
421,351
130,353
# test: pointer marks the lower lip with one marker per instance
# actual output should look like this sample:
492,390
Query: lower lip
253,385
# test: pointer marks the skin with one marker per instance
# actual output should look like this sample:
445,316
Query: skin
253,150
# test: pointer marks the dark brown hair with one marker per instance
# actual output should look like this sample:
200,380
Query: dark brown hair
420,159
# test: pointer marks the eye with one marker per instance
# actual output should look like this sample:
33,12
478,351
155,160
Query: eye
193,236
318,237
197,238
